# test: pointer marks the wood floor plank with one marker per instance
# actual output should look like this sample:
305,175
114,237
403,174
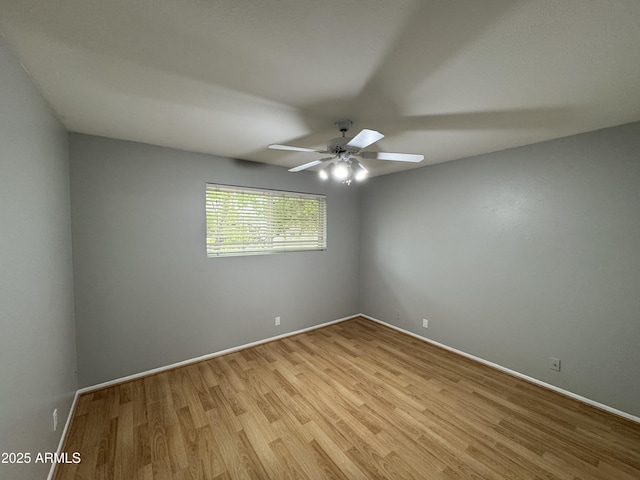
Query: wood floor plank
354,400
124,444
142,448
209,453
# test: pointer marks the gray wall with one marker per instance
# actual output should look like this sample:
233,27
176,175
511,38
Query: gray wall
518,256
37,339
147,296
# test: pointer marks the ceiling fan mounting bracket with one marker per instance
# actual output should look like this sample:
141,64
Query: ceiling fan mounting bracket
344,125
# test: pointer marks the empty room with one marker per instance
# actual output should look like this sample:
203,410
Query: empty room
295,239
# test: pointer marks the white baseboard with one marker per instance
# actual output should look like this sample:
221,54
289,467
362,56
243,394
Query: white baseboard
164,368
527,378
63,435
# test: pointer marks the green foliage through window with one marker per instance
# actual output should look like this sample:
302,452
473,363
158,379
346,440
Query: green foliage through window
250,221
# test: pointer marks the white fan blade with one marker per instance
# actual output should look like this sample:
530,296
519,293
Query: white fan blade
305,166
311,164
365,138
293,149
396,157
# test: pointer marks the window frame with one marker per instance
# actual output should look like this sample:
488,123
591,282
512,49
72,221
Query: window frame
265,222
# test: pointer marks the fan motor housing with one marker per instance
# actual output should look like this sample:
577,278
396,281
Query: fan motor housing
339,145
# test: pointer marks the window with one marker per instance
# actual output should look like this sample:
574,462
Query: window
251,221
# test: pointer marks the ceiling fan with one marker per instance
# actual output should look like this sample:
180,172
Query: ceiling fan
342,164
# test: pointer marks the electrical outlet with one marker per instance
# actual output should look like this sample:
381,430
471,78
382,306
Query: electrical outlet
425,323
277,321
554,364
55,419
397,314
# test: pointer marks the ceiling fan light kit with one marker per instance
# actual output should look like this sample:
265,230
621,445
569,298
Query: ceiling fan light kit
342,165
341,171
345,170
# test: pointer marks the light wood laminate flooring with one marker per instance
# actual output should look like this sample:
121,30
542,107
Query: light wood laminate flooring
354,400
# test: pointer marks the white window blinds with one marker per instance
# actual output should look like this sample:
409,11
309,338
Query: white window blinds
251,221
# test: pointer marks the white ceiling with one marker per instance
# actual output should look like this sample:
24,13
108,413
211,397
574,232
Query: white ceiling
448,79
